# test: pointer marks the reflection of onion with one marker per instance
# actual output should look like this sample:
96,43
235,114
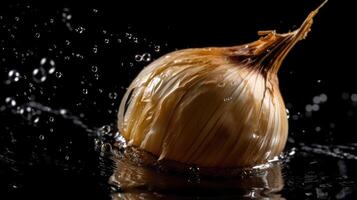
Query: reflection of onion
212,107
137,182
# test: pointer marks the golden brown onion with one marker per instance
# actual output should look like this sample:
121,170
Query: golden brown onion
212,107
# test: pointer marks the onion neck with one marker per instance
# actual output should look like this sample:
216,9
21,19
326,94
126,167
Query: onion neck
268,53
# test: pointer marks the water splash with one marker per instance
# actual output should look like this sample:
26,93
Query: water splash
42,86
13,76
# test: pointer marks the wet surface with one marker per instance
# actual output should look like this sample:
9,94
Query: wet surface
64,69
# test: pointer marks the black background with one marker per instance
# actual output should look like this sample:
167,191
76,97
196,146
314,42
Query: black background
322,63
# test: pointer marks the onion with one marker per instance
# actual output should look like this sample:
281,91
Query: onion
212,107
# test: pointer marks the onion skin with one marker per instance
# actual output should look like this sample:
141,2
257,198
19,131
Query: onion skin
212,107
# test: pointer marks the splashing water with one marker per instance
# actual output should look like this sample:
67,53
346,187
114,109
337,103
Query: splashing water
58,105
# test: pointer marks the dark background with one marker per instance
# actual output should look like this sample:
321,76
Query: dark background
322,63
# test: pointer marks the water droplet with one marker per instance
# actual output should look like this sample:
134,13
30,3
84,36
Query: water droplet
80,56
37,35
36,120
135,40
354,97
316,99
227,99
20,110
39,75
146,57
317,129
80,29
221,84
48,64
10,101
43,61
63,111
128,35
58,74
292,152
67,42
85,91
104,130
95,49
157,48
41,137
138,58
94,68
66,15
112,95
308,194
323,97
14,76
255,136
308,108
315,107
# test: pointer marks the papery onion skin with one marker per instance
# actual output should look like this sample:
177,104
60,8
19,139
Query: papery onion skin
212,107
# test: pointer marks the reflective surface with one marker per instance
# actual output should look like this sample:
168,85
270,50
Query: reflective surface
137,182
64,69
